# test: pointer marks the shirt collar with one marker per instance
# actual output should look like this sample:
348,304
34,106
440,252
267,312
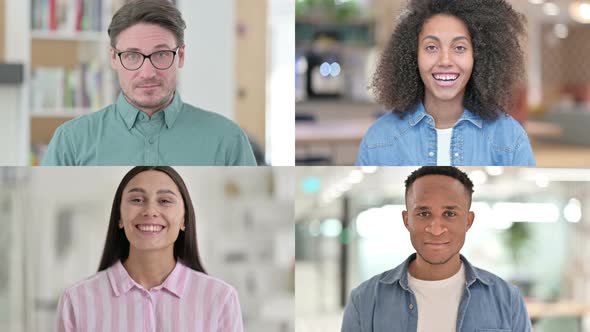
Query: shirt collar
420,113
130,113
400,273
121,282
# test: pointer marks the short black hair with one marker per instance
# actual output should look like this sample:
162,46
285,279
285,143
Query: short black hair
498,57
449,171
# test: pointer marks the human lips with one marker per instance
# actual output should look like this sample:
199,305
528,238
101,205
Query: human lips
148,85
445,79
436,244
150,228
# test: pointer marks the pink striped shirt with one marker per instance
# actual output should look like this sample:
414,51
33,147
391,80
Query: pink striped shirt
187,301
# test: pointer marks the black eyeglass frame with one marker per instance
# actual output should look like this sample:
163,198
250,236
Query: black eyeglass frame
149,56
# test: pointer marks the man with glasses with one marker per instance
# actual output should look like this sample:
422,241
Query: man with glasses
149,124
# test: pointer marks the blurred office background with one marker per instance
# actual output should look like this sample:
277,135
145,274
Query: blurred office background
338,43
531,228
54,223
56,67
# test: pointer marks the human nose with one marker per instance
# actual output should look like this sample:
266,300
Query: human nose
151,210
147,70
444,58
436,227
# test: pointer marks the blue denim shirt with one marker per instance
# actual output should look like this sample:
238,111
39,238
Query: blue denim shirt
386,303
411,140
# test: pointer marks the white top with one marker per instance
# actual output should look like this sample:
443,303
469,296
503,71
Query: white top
443,146
438,301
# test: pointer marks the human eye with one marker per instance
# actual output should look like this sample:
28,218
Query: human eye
423,214
136,200
430,48
461,49
162,54
450,214
167,200
131,56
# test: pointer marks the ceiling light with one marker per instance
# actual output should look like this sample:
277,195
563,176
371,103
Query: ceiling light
561,31
551,9
580,11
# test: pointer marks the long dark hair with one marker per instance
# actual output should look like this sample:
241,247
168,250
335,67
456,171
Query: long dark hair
116,245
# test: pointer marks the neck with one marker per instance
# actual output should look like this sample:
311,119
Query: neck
149,268
150,111
445,113
420,269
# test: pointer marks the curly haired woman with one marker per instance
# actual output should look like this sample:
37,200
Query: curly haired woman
447,75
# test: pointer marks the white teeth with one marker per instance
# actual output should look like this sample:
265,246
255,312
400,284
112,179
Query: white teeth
446,77
150,228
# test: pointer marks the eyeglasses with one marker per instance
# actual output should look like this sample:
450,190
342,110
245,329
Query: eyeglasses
160,59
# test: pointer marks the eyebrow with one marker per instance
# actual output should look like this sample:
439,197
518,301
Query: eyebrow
446,207
141,190
438,39
159,46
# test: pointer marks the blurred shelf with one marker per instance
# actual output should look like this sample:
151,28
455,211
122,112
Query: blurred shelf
60,113
562,308
83,36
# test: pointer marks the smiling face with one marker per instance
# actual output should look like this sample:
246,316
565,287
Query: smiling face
445,58
437,218
152,212
148,88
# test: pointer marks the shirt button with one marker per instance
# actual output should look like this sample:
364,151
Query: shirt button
152,140
457,154
431,154
411,306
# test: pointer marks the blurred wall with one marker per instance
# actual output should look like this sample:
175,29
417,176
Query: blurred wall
208,77
565,61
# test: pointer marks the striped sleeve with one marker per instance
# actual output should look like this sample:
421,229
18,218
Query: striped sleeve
66,321
230,319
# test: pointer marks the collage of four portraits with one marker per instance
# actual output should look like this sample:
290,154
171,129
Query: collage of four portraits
295,165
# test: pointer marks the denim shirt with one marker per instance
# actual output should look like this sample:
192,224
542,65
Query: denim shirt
386,303
411,140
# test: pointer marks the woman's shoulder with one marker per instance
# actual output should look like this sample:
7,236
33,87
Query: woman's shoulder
208,281
87,283
505,125
388,126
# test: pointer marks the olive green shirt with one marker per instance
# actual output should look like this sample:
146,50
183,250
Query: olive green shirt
120,134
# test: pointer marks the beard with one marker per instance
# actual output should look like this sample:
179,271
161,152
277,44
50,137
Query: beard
151,103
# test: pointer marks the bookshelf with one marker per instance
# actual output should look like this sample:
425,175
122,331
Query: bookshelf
69,65
237,92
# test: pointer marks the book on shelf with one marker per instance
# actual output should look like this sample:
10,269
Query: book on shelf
67,15
60,89
38,152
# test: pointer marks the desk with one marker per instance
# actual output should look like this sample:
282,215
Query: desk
348,131
541,129
562,308
333,134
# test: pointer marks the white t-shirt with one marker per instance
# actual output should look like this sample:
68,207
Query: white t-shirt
443,147
438,301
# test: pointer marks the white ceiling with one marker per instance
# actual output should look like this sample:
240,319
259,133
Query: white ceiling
388,182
